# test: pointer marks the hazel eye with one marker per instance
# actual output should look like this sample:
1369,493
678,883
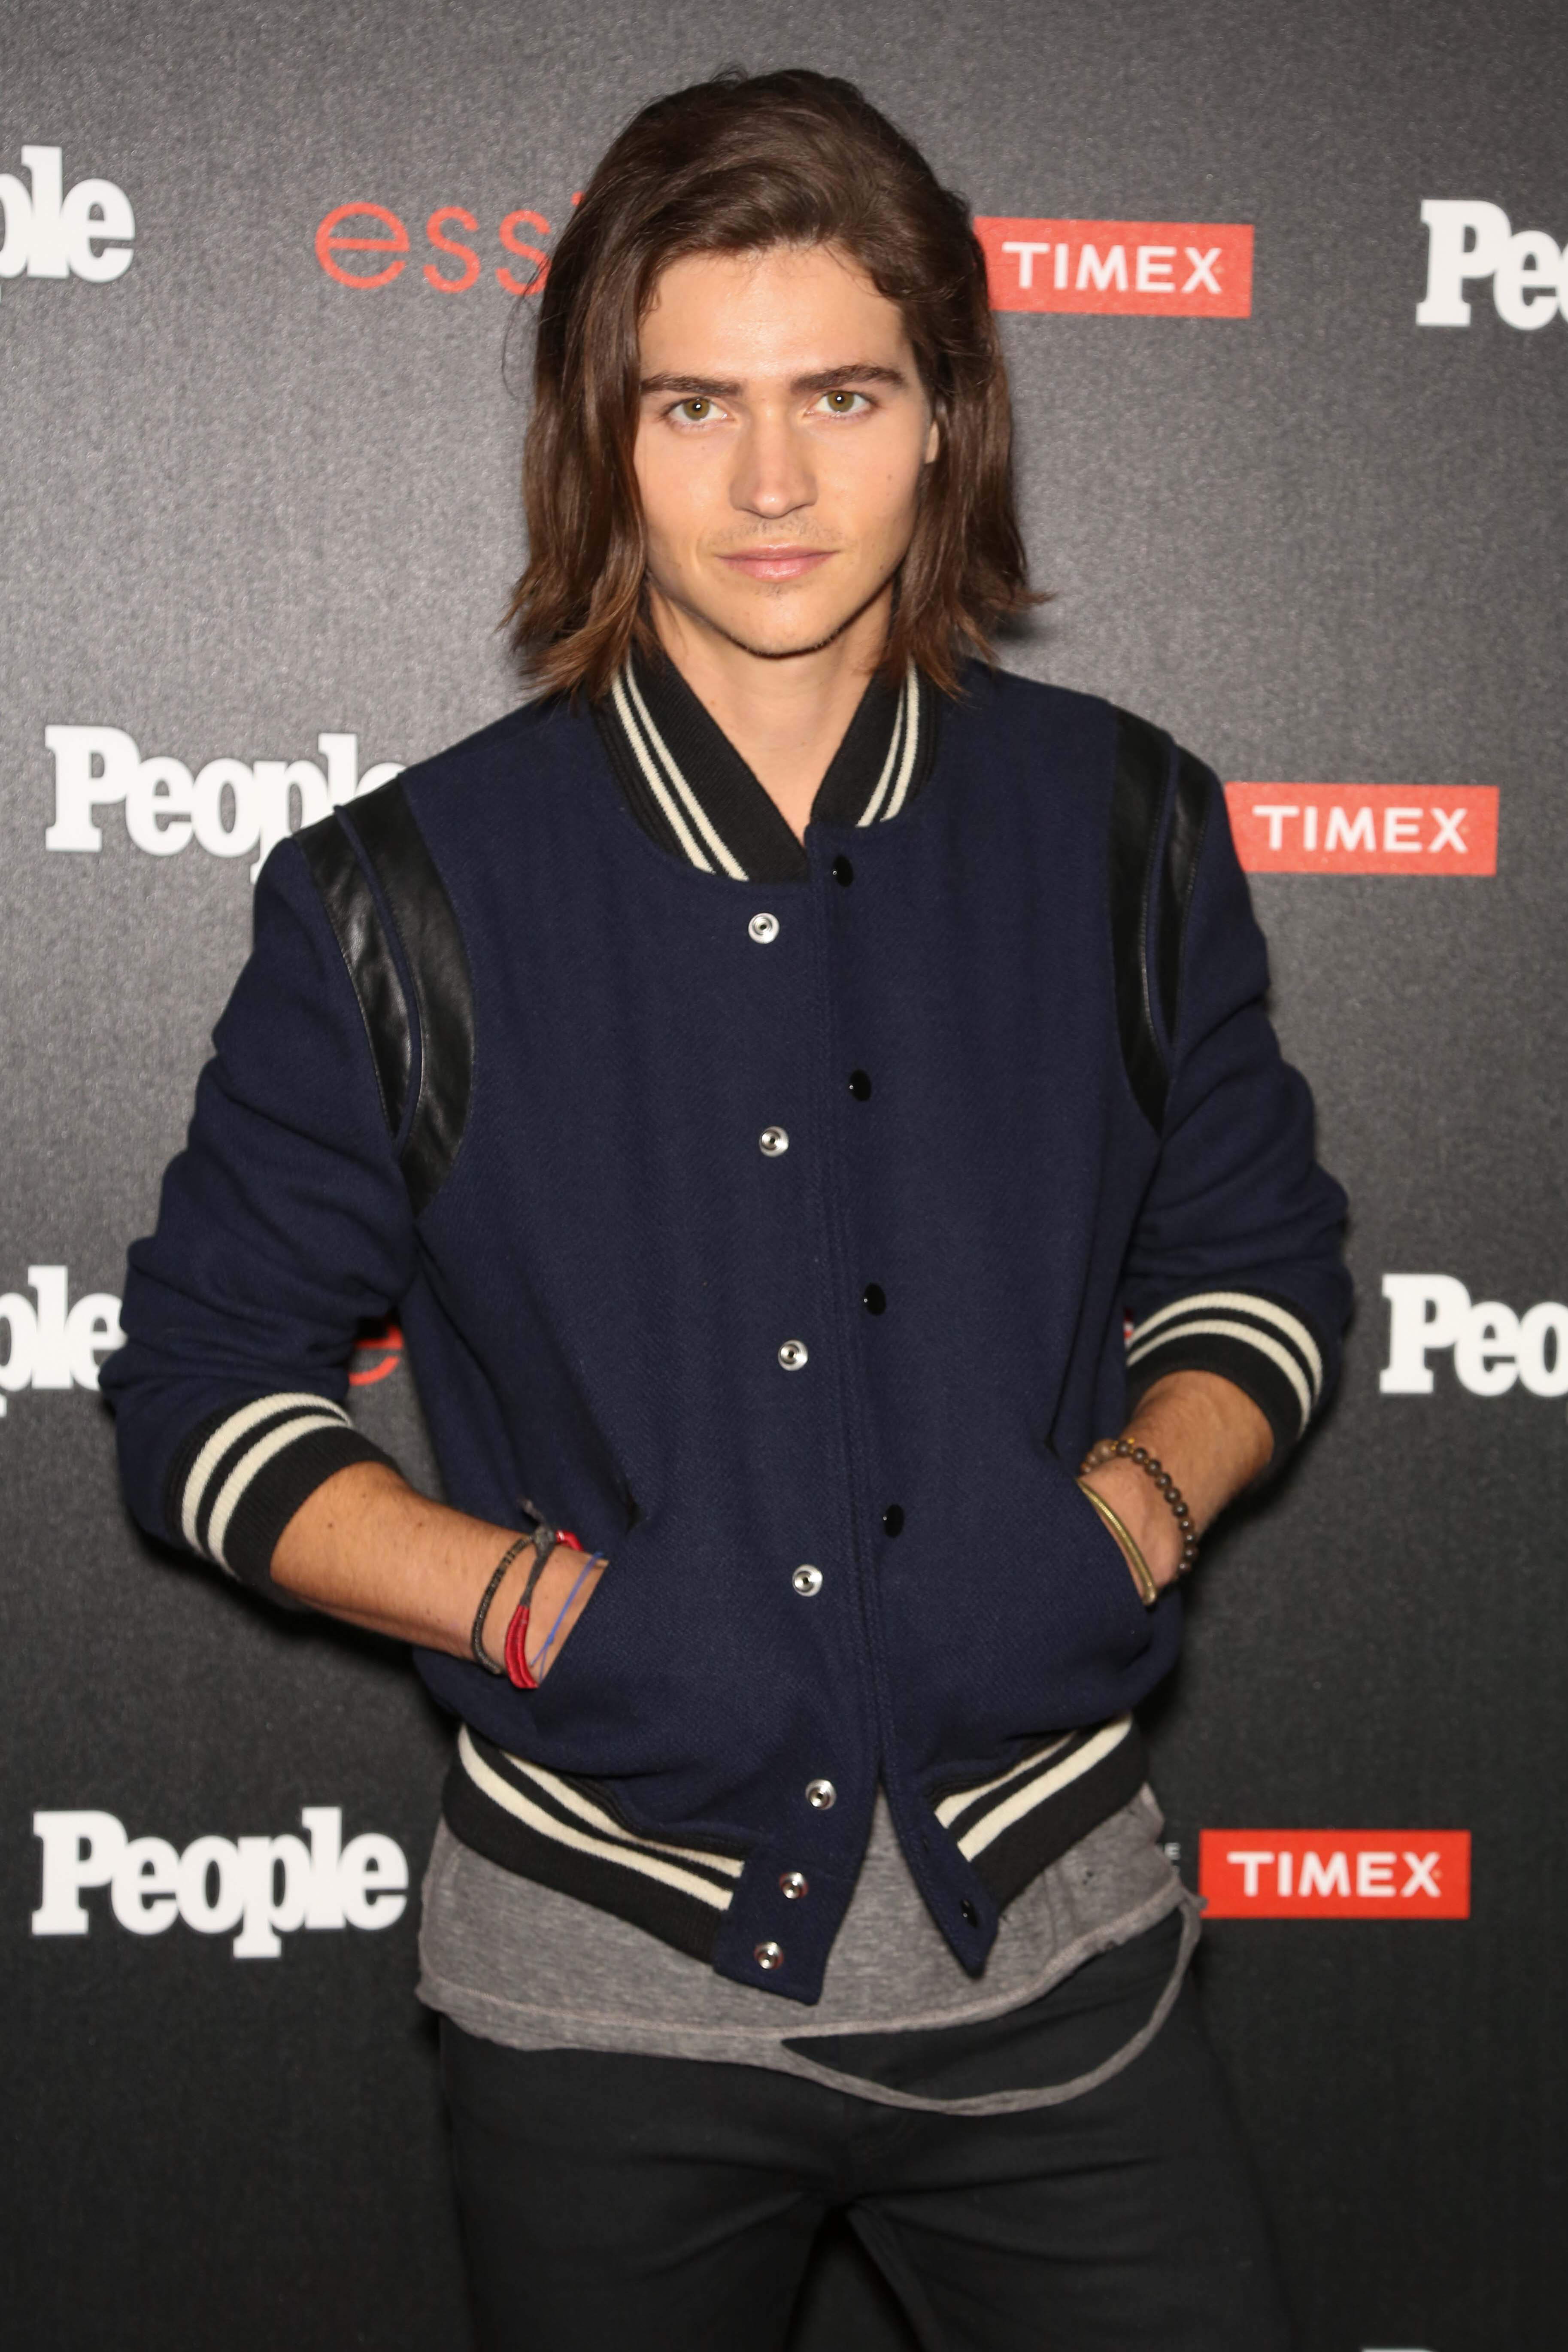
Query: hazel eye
695,410
842,403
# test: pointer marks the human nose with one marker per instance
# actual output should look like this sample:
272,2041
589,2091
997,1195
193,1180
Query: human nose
774,475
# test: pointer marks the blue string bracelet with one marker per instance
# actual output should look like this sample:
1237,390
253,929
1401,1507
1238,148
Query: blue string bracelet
595,1560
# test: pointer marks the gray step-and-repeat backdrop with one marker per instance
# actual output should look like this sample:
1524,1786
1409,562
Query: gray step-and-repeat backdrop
1287,311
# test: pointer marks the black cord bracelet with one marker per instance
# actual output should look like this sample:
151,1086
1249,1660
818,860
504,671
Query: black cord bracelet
482,1655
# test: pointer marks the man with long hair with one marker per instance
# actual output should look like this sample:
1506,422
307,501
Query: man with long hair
807,1095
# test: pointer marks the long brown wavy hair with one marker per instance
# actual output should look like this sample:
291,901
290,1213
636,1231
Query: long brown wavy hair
738,164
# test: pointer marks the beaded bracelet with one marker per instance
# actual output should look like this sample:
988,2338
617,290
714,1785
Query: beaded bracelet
1112,1449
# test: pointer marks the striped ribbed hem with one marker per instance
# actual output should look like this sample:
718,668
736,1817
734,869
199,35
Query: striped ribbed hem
1265,1347
242,1474
568,1834
1014,1825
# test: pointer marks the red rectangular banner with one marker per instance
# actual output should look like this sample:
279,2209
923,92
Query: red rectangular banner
1149,270
1335,1873
1364,828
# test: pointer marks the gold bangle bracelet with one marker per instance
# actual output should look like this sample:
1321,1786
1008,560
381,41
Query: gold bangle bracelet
1142,1576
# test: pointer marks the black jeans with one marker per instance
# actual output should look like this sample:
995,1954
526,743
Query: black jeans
629,2204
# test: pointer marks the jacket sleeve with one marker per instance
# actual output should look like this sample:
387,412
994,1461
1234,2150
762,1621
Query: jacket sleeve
283,1224
1234,1266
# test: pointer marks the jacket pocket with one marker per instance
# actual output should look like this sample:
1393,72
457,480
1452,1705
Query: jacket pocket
664,1674
1045,1628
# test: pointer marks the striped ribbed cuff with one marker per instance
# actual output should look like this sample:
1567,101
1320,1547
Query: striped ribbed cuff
241,1475
1266,1349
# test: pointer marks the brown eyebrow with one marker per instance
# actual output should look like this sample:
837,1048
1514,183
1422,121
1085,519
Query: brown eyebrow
710,387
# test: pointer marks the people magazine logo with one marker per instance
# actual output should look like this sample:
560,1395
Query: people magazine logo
1335,1873
1415,829
255,1889
1141,269
47,230
49,1343
1489,1347
228,807
1472,244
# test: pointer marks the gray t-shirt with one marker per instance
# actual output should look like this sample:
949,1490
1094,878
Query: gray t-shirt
519,1964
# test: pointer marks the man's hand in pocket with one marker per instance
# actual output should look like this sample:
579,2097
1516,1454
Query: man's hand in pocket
1212,1439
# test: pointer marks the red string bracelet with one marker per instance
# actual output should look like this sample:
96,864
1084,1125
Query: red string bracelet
515,1648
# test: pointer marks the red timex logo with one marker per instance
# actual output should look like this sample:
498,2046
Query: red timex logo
1364,828
1335,1873
1152,270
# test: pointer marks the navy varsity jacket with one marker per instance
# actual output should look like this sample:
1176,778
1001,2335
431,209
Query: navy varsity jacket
786,1221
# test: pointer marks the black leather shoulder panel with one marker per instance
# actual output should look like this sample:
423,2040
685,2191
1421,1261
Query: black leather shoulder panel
432,945
1137,799
1178,868
361,935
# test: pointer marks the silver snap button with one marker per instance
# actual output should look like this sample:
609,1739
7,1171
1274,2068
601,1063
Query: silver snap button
821,1796
763,927
769,1956
793,1886
792,1355
772,1141
807,1582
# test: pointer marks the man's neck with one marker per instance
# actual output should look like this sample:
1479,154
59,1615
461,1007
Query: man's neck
785,715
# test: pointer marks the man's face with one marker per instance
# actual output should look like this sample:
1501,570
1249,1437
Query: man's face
780,448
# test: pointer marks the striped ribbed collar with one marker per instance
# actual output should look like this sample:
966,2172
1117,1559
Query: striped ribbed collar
690,789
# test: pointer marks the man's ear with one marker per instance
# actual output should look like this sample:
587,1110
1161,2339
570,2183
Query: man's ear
933,441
